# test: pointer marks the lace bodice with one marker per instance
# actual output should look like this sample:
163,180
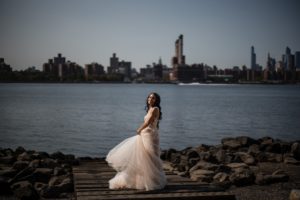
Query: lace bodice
154,123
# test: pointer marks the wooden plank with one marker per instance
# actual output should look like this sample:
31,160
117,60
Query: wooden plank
91,182
173,196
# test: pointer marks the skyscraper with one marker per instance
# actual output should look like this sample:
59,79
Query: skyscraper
253,59
297,60
179,58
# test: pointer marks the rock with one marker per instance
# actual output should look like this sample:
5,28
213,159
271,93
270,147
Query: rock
25,191
246,158
7,159
246,141
57,155
58,171
202,147
207,156
295,150
35,163
175,158
166,155
168,166
231,143
274,148
295,194
23,173
220,155
291,160
40,155
262,179
24,157
8,172
58,185
5,187
19,150
38,186
237,165
204,165
49,163
202,174
242,177
20,165
254,150
221,177
40,175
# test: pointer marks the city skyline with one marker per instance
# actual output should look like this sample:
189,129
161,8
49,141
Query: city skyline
216,33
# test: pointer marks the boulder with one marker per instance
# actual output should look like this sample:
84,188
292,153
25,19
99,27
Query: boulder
23,173
58,185
231,143
35,163
25,156
57,156
202,175
291,160
10,172
234,166
19,150
242,177
25,191
295,150
254,149
295,194
7,159
221,177
20,165
246,141
204,165
5,187
49,163
262,179
246,158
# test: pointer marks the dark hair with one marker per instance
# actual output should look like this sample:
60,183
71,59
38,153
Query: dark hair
156,104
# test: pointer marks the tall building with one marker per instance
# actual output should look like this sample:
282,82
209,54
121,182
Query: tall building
253,59
288,60
297,60
61,69
93,71
119,67
179,58
271,62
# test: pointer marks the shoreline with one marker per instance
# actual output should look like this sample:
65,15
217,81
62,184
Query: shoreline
264,168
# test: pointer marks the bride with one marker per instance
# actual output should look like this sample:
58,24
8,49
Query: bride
137,159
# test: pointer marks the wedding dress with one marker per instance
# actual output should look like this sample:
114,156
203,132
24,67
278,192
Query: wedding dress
137,161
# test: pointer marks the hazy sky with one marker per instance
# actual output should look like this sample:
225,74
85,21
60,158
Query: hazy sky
216,32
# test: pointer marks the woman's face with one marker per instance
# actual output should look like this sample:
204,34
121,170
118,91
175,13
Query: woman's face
151,99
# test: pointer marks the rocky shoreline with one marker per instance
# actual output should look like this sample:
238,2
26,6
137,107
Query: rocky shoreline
239,163
243,166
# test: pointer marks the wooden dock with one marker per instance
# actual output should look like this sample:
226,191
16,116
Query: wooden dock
91,182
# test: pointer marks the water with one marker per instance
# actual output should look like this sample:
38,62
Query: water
89,119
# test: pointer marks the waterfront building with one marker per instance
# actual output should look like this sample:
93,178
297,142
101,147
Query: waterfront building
297,60
4,67
253,59
62,70
181,71
93,71
117,67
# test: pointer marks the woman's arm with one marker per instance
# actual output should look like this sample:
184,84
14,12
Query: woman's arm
154,112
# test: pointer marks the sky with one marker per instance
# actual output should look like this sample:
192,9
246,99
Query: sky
216,32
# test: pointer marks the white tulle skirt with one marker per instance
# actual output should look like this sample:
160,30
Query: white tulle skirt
137,162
